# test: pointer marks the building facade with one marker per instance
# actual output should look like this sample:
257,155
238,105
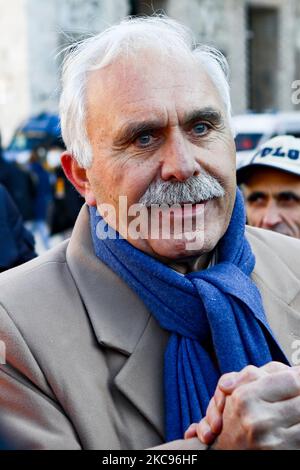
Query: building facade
260,38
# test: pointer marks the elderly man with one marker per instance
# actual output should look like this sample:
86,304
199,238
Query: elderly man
271,185
120,337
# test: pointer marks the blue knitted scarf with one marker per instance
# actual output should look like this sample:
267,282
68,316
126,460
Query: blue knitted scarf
215,317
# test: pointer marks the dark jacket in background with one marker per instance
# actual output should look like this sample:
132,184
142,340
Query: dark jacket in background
43,194
20,185
67,203
16,243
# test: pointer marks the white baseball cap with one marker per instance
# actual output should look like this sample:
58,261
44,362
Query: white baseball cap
281,152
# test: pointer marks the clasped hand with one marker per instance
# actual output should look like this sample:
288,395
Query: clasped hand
256,408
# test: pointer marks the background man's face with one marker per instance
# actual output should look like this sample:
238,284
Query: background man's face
157,118
273,201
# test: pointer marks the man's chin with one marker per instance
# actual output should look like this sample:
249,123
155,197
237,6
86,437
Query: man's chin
188,245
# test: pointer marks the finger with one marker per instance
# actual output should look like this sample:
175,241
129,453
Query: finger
277,387
274,366
214,417
191,431
220,399
229,382
205,433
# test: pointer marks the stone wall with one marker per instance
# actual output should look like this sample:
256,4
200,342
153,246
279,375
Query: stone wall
220,24
223,24
14,73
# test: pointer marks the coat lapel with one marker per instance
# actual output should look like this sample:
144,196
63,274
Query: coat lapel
121,322
141,378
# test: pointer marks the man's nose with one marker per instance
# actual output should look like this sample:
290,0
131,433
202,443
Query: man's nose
271,217
179,163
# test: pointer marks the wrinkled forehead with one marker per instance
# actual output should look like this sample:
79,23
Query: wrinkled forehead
150,83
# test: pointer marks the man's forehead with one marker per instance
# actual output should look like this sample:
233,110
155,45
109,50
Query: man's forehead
134,81
117,96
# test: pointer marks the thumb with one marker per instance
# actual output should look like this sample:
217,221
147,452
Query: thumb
228,382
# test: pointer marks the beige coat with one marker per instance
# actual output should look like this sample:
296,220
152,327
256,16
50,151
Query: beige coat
85,357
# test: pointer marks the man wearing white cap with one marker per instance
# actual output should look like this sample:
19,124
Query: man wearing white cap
271,186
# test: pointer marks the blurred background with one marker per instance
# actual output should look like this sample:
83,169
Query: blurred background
260,39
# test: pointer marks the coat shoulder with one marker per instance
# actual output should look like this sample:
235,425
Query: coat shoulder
27,290
21,275
41,310
274,249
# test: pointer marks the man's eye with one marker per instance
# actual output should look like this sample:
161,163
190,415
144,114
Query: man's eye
288,197
144,139
201,128
256,199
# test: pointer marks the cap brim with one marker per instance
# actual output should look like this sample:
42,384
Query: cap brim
243,173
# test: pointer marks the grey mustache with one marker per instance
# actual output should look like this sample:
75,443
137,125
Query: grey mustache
195,189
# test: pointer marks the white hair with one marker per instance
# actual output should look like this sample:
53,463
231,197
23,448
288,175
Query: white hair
126,38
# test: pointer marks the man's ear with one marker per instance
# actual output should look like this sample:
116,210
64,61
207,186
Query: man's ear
78,177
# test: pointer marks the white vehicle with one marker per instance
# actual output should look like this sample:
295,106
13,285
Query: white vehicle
252,130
